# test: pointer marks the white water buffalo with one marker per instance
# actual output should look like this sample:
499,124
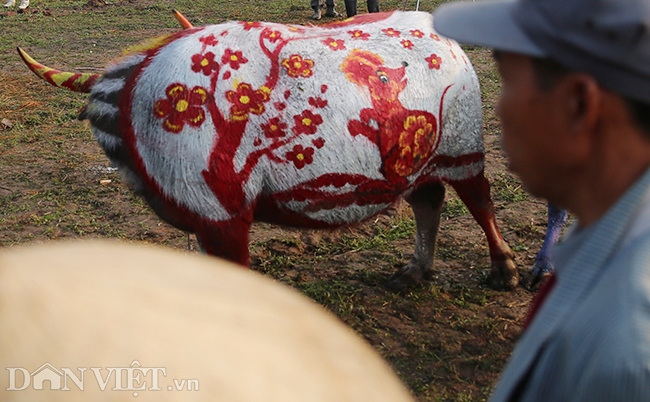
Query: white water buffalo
317,127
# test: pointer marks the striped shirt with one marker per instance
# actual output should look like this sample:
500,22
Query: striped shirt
590,340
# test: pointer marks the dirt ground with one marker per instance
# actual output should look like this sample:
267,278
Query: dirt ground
447,339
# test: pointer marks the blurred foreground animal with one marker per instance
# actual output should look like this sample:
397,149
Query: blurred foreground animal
313,127
104,321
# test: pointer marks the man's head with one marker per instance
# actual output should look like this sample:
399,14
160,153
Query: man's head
574,74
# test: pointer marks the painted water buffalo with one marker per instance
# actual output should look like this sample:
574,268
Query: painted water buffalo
316,127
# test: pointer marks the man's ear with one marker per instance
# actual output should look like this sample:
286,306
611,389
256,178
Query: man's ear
578,105
582,96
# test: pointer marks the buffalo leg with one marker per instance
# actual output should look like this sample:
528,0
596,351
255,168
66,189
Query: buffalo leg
475,193
226,239
543,265
426,203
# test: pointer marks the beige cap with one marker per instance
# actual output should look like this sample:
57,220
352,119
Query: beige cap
104,321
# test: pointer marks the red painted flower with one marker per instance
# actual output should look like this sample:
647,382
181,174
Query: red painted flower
272,36
415,144
181,106
318,142
317,102
434,61
235,59
298,67
246,100
335,44
407,44
357,34
209,40
204,63
391,32
301,156
248,25
435,37
275,128
417,33
306,122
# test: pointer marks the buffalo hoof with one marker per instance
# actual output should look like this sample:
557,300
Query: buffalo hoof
532,279
407,277
542,268
504,275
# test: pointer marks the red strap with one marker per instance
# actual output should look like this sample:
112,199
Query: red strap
539,298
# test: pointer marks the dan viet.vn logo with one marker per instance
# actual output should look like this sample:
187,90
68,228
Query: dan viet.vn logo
134,378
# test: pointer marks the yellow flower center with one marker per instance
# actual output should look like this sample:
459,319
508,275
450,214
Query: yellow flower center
244,99
306,121
334,44
274,128
233,57
297,65
300,157
204,62
182,105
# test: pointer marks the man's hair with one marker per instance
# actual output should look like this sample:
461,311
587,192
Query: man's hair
549,72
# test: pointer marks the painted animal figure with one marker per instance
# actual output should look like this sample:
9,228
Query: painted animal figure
316,127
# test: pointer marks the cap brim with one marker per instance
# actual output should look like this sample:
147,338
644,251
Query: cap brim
484,23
